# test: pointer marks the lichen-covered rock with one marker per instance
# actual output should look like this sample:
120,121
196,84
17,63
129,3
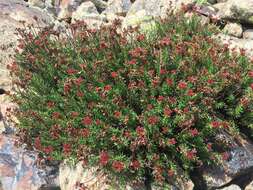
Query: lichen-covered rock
241,11
248,34
240,161
18,170
232,187
120,7
37,3
87,12
233,29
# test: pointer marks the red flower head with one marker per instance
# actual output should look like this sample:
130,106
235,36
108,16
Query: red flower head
118,166
78,81
114,74
117,114
132,62
215,124
74,114
140,131
80,94
190,93
135,164
85,132
194,132
50,104
169,82
165,41
56,115
191,154
87,120
107,87
104,158
172,141
140,37
171,172
251,86
250,73
182,85
37,143
48,149
167,112
152,120
160,98
71,71
225,156
67,148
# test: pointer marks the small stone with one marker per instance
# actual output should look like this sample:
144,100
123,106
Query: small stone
248,34
233,29
232,187
249,187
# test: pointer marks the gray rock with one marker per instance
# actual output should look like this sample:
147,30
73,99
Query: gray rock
233,29
232,187
239,163
212,1
118,7
233,10
248,34
87,12
37,3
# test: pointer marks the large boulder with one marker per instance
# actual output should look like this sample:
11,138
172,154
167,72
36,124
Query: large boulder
143,12
241,11
118,7
87,12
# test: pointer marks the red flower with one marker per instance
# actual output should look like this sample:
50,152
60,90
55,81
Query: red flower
71,71
167,112
209,146
215,124
37,143
67,88
78,81
225,156
165,41
210,81
80,94
104,158
127,134
250,73
251,86
114,74
107,87
182,85
190,93
140,37
50,104
56,115
171,172
66,148
162,71
172,141
160,98
117,114
194,132
87,120
191,154
152,120
140,131
132,62
48,149
135,164
74,114
85,132
118,166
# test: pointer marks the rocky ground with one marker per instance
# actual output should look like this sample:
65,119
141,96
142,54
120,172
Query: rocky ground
20,169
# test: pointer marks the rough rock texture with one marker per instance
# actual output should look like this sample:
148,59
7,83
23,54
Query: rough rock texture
232,187
119,7
143,11
239,163
233,29
18,170
233,10
88,13
248,34
249,186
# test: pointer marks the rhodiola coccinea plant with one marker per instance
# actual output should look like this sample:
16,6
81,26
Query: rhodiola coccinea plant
133,104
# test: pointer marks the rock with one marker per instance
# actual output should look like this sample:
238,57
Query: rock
145,11
248,34
232,187
235,44
233,29
91,178
232,10
212,1
18,170
66,8
240,161
118,7
37,3
88,13
100,4
249,186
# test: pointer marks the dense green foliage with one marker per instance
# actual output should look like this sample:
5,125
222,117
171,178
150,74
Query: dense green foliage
135,105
